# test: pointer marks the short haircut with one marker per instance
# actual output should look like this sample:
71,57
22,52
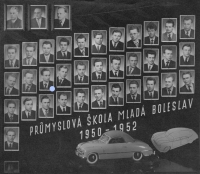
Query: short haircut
167,48
98,33
11,102
45,97
38,8
27,99
117,31
63,66
65,9
151,79
115,58
81,64
170,21
28,72
12,47
64,94
150,52
15,8
30,45
116,85
169,75
80,91
151,25
98,87
43,70
187,18
132,55
134,82
12,75
134,28
10,130
81,36
186,45
63,39
187,72
47,43
97,60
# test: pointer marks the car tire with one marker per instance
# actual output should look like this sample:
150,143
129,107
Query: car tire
92,158
137,156
167,148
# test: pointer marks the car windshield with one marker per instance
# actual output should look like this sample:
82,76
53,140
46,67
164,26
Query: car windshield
104,138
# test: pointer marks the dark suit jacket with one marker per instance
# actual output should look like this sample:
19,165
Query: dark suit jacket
102,49
14,91
16,24
33,115
32,89
184,89
14,146
190,62
172,64
78,52
59,110
50,84
183,35
165,38
136,71
129,98
7,64
121,74
42,58
50,114
146,95
64,83
7,119
154,68
130,43
164,91
111,101
96,105
85,79
103,76
147,40
120,46
34,23
58,25
60,56
34,62
84,107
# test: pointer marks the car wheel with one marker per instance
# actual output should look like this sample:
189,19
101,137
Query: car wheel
137,156
92,158
166,149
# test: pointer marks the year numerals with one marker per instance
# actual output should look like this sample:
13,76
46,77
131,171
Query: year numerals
126,126
94,132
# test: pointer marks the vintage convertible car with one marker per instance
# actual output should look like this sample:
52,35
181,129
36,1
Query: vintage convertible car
113,145
173,138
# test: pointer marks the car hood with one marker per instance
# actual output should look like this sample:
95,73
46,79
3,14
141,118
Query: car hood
90,144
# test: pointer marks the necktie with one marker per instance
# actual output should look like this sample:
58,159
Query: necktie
99,77
136,44
131,70
64,110
83,52
38,21
189,88
46,58
80,106
11,118
115,101
151,41
11,63
187,33
167,64
27,88
60,23
101,104
115,73
45,85
8,91
60,82
169,91
133,97
98,48
81,79
29,114
149,68
28,61
169,37
115,45
187,59
150,94
46,112
10,146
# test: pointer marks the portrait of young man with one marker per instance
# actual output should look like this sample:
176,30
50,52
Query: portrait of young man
187,27
117,37
116,66
11,166
81,99
29,84
82,72
169,30
116,94
133,61
46,106
81,43
46,78
29,52
63,103
133,91
11,138
11,111
169,57
187,52
63,75
151,33
98,96
11,84
11,56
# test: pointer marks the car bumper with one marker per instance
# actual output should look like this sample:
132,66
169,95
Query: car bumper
79,154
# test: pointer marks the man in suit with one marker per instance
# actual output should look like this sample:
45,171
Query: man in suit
29,60
10,116
135,42
10,144
38,21
133,96
150,93
62,21
12,62
98,47
115,64
189,85
64,54
99,103
152,38
169,35
115,43
114,99
63,109
80,104
169,90
28,113
132,69
98,74
81,77
187,32
150,66
28,85
46,83
61,78
167,61
46,57
11,80
45,111
14,21
187,58
81,50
